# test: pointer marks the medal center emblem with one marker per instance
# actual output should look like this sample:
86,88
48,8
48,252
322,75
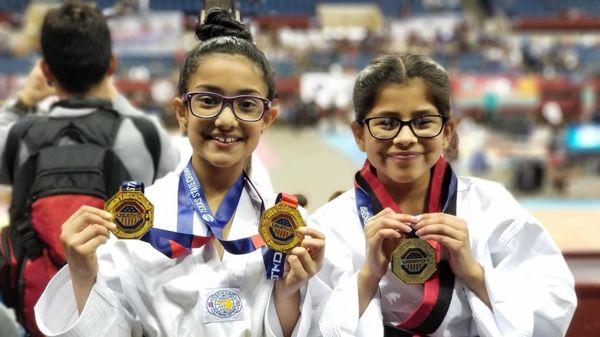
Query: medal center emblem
129,215
414,261
282,229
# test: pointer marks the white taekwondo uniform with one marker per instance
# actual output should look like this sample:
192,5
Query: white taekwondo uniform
141,291
529,284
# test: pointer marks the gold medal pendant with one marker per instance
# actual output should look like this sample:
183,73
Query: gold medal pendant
413,261
132,212
279,226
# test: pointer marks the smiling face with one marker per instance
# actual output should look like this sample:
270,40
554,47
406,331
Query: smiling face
405,159
224,141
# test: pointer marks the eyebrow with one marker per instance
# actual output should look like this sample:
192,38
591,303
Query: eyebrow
413,114
220,91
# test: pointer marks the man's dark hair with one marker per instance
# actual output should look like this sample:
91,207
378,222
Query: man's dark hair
76,45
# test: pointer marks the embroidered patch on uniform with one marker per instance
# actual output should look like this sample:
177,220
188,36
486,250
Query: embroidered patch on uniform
223,304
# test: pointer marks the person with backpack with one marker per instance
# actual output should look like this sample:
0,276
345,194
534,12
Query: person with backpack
77,154
201,270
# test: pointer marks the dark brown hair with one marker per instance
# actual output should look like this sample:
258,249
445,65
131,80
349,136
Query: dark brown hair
399,69
221,33
76,46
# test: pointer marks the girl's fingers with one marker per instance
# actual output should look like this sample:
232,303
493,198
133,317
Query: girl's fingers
447,242
377,239
311,243
308,265
93,210
396,224
433,218
315,247
406,218
296,267
91,245
313,233
90,218
387,223
89,233
384,212
87,215
440,229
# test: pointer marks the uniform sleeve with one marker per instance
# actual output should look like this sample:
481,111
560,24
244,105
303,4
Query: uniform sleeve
104,314
337,311
272,325
530,287
340,312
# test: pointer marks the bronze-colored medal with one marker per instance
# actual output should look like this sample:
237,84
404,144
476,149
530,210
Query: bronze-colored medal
279,227
132,212
413,261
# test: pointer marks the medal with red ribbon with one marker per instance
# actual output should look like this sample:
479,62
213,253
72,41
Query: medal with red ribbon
416,260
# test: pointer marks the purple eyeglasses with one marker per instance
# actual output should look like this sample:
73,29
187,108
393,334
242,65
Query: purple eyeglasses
207,105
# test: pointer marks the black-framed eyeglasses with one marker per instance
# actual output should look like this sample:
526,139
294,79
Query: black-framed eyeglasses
207,105
384,128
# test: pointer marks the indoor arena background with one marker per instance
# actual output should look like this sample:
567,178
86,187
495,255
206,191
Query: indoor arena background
525,80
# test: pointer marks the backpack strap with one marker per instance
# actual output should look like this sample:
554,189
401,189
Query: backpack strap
84,102
151,139
26,240
15,134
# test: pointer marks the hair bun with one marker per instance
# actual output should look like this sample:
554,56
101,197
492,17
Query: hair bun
221,23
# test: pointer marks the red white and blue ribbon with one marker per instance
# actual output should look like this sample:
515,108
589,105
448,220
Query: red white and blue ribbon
372,197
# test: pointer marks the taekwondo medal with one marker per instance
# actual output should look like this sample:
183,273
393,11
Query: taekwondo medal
132,212
413,261
279,225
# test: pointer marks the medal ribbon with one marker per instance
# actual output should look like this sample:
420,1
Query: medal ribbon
372,197
132,186
275,260
191,199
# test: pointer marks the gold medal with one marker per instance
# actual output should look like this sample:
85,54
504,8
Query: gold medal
132,212
279,227
413,261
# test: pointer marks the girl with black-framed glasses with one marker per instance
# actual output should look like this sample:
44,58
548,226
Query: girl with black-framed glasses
426,252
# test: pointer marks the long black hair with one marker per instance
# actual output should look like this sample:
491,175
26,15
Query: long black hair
221,33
